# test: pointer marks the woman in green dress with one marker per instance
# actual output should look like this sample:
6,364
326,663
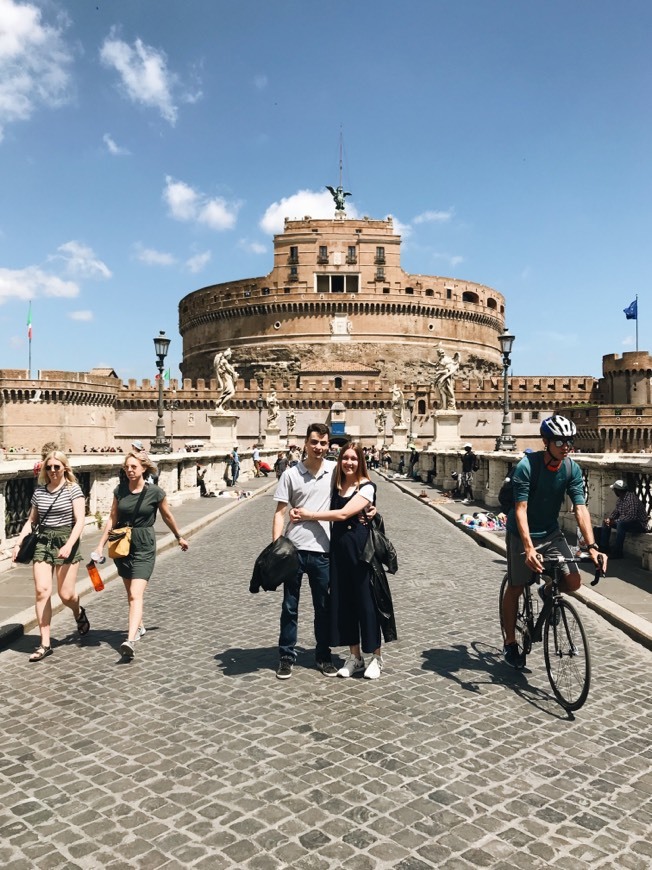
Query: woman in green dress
135,503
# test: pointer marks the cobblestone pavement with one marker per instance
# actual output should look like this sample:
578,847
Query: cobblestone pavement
195,755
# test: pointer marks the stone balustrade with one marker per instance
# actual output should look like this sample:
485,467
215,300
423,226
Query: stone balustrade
599,470
177,476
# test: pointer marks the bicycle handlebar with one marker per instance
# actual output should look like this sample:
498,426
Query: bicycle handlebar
599,572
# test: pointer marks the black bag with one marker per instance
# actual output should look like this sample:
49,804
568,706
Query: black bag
26,550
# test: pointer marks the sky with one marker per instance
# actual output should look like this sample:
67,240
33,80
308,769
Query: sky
152,147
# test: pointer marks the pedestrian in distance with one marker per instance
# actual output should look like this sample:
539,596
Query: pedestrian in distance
135,504
469,465
306,484
201,483
256,460
281,463
355,617
57,509
235,466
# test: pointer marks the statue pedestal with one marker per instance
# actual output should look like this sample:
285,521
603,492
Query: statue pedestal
224,430
447,431
273,438
399,437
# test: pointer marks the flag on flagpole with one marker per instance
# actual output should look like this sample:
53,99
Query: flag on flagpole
29,322
166,375
631,312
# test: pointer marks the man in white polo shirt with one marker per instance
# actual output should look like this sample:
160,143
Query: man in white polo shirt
308,485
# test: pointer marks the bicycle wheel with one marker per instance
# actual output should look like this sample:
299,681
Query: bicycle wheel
522,635
568,660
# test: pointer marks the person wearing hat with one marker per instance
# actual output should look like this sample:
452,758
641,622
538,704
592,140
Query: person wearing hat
628,516
469,465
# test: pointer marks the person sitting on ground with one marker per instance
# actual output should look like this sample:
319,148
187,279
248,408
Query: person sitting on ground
629,515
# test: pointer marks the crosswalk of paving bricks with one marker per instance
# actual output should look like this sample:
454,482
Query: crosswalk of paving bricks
195,755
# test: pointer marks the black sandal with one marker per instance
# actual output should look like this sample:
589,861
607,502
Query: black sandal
83,625
41,652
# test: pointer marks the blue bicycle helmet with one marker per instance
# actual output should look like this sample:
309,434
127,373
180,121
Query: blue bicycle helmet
557,427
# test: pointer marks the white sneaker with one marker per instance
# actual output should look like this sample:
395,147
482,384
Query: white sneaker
374,668
141,631
351,666
127,649
466,501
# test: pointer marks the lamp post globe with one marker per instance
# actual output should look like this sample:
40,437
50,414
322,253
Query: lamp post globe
160,443
506,441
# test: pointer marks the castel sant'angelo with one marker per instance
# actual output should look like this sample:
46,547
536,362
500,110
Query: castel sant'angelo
334,330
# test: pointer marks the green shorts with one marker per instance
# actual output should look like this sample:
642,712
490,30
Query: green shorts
50,541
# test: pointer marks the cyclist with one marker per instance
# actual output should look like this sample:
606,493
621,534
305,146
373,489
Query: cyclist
533,531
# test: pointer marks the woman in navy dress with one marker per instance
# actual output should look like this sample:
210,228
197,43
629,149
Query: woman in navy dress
354,616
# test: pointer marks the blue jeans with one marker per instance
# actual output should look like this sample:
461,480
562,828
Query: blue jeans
235,471
316,566
622,527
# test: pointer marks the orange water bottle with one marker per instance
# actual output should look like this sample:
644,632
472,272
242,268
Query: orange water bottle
94,574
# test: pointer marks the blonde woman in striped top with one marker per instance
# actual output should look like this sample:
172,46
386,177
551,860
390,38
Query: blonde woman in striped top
58,505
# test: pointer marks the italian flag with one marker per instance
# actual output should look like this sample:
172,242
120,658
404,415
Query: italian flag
29,322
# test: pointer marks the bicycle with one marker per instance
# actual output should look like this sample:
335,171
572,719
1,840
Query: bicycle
557,623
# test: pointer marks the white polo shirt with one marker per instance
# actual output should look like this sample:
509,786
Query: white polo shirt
298,487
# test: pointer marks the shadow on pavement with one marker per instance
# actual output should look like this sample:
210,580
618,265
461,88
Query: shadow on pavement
236,661
487,662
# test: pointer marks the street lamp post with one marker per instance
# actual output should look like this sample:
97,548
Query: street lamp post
172,405
260,404
506,440
410,407
160,442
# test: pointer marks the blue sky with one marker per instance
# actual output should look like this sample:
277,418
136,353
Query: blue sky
152,147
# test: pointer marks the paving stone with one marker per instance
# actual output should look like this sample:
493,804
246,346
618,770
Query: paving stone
196,756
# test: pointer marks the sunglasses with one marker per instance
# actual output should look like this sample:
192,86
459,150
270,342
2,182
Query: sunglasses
561,441
53,467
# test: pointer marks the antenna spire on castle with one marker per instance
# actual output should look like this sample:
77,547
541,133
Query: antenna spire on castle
338,193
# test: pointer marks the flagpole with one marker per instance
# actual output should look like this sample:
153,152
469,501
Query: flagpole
29,341
637,323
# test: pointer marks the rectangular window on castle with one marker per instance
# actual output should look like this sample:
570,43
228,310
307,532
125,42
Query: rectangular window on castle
294,254
352,283
322,257
351,256
380,256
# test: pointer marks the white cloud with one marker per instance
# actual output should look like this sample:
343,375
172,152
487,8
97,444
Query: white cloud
144,74
217,214
31,282
186,204
316,204
252,247
34,62
152,257
439,217
81,261
112,147
196,264
404,230
80,315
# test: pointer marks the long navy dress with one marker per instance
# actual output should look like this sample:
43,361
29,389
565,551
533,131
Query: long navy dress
354,619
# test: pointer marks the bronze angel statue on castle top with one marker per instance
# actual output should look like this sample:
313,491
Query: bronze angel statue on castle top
339,195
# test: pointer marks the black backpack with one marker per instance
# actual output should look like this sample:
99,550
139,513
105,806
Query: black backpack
506,493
